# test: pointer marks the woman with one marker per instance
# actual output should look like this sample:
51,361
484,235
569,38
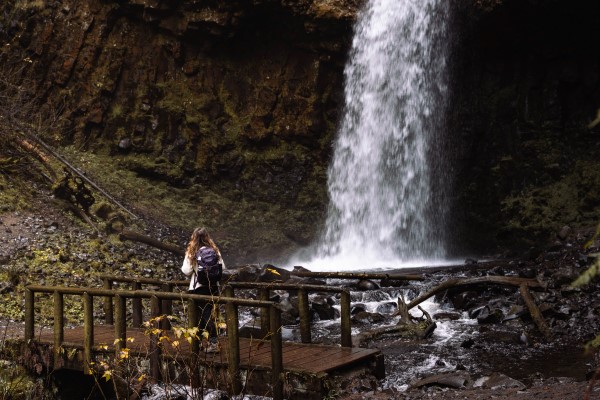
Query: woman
200,239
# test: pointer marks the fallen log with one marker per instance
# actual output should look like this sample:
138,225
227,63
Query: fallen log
456,282
81,175
408,327
39,155
138,237
535,312
356,275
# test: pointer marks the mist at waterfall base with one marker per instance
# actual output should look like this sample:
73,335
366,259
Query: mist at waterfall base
388,179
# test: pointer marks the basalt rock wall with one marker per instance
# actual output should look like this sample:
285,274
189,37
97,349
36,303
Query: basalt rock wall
238,97
224,90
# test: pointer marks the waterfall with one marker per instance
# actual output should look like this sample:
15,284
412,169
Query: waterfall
386,179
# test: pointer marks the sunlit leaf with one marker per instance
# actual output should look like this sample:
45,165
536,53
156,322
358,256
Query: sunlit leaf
107,375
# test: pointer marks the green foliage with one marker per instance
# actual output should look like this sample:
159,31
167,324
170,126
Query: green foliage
14,382
585,278
589,274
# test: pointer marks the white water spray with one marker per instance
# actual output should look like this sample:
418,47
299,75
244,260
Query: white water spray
386,202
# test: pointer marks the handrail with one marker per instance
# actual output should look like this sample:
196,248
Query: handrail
303,305
264,289
120,326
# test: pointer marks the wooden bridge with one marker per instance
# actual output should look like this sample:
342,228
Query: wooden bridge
263,365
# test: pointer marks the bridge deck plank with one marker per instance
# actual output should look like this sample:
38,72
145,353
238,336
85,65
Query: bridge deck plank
301,357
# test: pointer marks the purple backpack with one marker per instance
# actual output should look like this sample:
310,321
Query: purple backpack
210,269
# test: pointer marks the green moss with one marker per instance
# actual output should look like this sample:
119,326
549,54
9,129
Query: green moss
177,98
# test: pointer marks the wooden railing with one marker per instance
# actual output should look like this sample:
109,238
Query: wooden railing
156,299
264,289
264,293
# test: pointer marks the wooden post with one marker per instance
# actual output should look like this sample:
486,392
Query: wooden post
120,325
166,307
59,323
304,310
263,294
195,345
108,305
154,344
228,291
276,354
29,299
345,319
88,333
136,305
233,356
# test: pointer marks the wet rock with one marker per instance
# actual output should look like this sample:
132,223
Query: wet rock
323,307
565,275
470,261
246,273
125,144
387,282
356,308
289,307
458,379
375,296
366,284
515,312
463,300
564,232
364,317
488,316
528,273
498,381
271,273
582,260
387,308
298,268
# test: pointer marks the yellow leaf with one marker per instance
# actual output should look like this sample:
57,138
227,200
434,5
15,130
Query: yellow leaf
271,270
117,341
131,339
107,375
175,343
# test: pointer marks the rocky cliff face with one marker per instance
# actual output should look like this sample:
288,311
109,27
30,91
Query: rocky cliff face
236,102
238,97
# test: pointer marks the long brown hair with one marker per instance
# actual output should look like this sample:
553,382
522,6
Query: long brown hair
199,238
